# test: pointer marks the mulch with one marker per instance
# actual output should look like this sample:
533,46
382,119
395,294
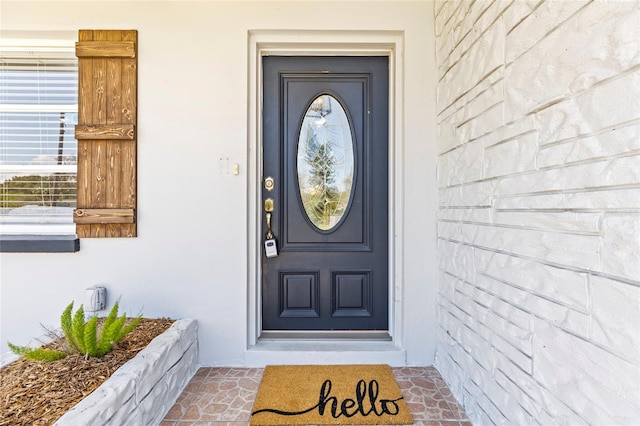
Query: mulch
39,393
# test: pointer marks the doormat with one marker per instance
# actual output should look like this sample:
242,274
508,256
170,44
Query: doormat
329,395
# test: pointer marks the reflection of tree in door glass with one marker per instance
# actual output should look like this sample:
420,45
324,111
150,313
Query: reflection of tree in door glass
325,162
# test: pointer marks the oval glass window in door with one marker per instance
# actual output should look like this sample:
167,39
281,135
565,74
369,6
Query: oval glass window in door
325,162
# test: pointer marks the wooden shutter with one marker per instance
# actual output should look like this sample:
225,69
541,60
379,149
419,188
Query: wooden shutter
106,133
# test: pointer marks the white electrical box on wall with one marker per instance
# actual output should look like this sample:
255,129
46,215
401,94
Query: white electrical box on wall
95,298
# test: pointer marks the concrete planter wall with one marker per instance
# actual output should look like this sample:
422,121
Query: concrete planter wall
143,390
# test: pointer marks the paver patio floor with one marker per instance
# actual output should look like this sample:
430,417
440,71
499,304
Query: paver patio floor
224,396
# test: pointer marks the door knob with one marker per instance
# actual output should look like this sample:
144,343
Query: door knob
268,205
268,208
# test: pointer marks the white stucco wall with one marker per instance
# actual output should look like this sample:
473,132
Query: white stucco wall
539,209
190,259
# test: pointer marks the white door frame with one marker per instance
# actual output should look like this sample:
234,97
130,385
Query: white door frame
325,43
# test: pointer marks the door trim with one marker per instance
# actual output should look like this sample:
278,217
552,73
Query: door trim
325,43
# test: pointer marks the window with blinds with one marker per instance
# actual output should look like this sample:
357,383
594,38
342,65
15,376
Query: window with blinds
38,152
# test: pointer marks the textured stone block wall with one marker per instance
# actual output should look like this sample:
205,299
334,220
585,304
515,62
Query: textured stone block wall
539,209
142,391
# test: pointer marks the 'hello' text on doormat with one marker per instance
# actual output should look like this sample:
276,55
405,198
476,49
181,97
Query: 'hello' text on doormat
329,394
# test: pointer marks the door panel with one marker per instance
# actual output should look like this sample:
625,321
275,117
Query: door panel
297,230
332,277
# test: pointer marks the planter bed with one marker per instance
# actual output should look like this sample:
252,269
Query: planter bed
143,390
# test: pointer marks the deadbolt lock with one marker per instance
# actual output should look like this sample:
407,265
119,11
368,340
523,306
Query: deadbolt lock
269,183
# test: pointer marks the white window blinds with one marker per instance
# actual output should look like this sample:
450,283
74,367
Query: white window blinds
38,152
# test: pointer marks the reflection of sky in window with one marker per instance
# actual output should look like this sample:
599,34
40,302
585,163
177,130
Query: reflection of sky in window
33,137
34,107
331,126
41,87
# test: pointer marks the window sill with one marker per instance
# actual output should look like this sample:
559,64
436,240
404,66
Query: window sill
39,244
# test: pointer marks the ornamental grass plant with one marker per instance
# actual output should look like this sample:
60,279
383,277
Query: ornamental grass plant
82,336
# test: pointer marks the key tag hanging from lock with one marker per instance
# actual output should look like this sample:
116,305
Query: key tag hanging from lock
270,247
270,244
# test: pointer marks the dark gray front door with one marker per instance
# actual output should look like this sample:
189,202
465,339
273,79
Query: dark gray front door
325,146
